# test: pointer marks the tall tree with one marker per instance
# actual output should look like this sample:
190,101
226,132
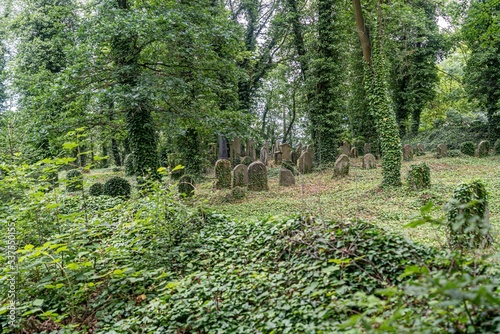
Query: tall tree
377,90
482,75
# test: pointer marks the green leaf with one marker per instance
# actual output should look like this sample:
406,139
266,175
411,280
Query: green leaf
38,302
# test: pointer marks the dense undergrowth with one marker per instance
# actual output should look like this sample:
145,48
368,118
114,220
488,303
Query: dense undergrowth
152,264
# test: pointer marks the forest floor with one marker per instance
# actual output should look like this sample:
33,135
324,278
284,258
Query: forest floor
359,196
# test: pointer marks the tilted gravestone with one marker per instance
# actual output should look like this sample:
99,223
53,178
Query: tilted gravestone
295,157
223,174
354,152
264,154
239,176
286,178
483,148
407,152
286,152
341,167
257,177
442,151
369,161
305,162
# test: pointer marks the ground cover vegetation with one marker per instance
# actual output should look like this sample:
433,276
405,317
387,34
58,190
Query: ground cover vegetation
249,166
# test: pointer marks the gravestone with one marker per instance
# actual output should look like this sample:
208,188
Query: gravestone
295,157
298,149
212,148
483,148
223,154
286,178
354,152
223,174
235,150
341,167
286,151
369,161
239,176
310,149
264,154
251,150
407,152
420,149
345,148
186,185
367,148
442,151
257,177
305,162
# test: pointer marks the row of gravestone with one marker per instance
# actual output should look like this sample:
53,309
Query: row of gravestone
254,176
481,150
342,164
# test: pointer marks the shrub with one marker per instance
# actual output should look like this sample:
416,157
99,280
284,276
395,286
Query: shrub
454,153
468,216
96,189
468,148
419,176
186,185
74,180
117,186
497,147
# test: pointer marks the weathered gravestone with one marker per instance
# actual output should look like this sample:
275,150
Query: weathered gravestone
295,157
420,149
186,185
354,152
369,161
407,152
483,148
223,174
345,148
286,151
367,148
442,151
341,167
257,176
239,176
310,149
251,150
298,149
305,162
286,178
235,151
264,154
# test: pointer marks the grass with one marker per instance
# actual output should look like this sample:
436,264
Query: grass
359,195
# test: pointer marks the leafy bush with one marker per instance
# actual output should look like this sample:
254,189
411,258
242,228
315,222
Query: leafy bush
454,153
468,148
468,217
419,176
116,187
497,147
74,180
96,189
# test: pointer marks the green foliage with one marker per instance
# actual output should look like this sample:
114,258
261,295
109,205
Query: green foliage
117,187
223,174
454,153
419,176
96,189
74,180
468,216
238,193
290,166
468,148
186,185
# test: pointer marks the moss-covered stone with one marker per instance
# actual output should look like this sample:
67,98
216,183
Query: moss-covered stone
407,153
441,151
246,161
286,178
257,177
287,164
497,147
239,176
129,164
238,193
483,148
341,167
369,161
419,176
223,174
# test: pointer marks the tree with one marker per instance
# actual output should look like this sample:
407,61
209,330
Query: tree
482,76
379,100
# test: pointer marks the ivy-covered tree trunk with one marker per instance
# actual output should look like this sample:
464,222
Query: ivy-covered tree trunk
139,122
325,111
380,105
